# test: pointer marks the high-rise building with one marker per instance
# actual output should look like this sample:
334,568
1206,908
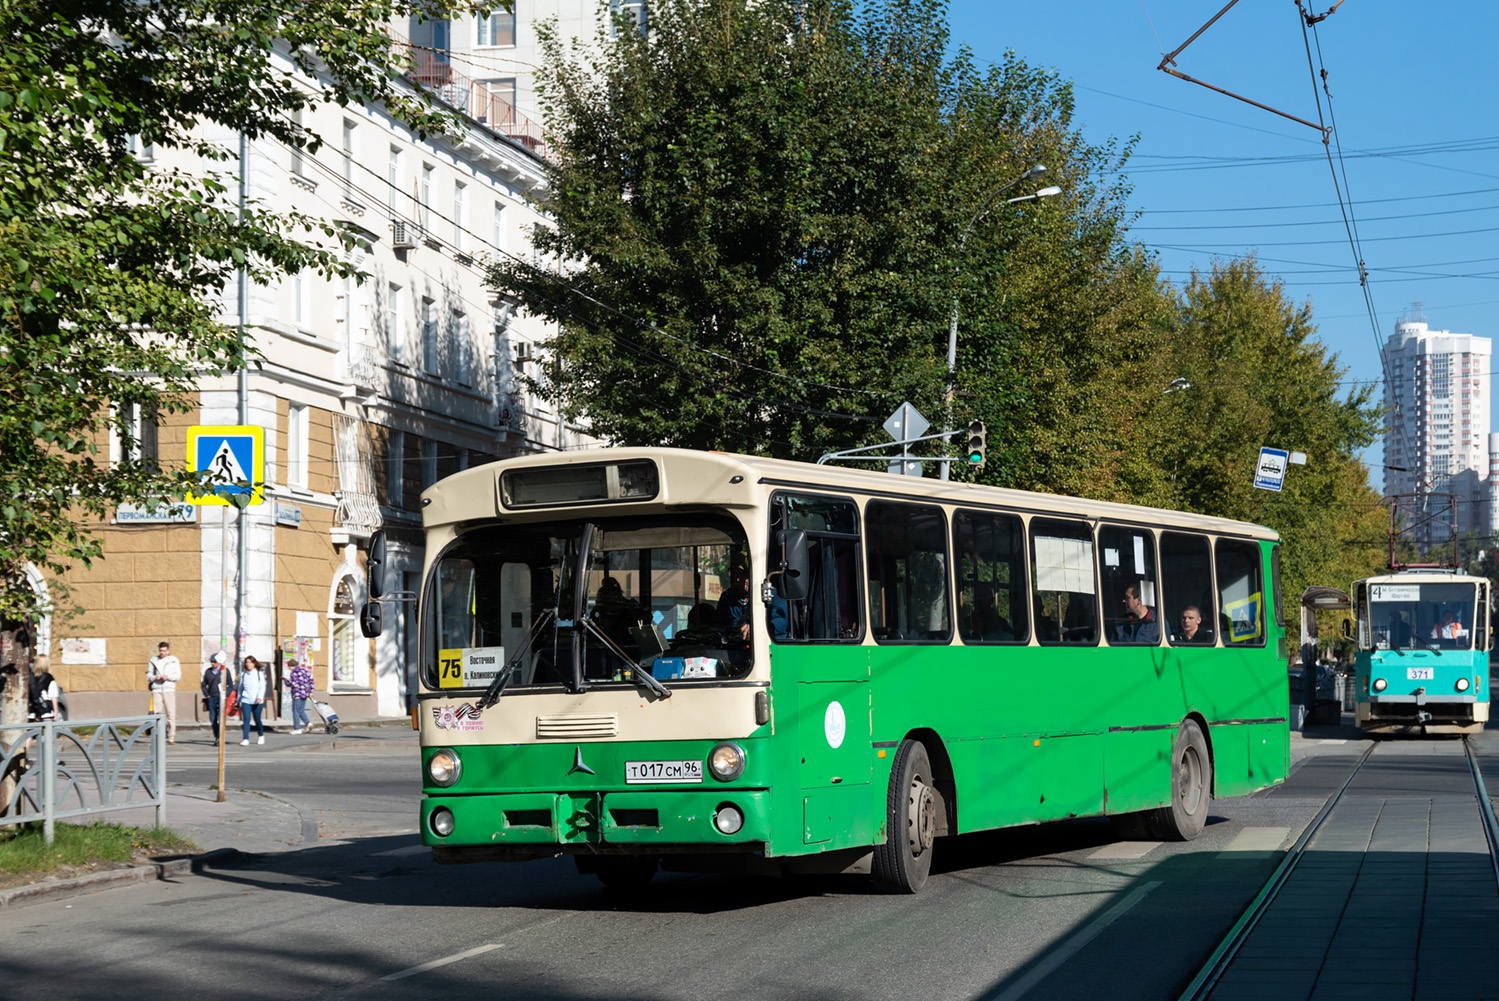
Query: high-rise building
1437,425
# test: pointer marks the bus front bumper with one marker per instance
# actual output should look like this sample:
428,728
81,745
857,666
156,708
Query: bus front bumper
531,824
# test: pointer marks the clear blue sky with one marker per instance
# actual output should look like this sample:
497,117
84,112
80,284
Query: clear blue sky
1413,95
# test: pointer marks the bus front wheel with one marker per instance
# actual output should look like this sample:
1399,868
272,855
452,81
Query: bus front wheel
903,862
1184,817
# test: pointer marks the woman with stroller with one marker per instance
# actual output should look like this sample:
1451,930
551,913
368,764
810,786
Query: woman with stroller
301,691
251,700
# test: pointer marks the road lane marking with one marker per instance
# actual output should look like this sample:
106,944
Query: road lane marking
1068,948
1257,839
467,953
408,850
1124,850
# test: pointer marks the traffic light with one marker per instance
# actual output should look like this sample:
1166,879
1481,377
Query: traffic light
976,444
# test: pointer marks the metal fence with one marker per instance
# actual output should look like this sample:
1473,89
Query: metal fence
58,770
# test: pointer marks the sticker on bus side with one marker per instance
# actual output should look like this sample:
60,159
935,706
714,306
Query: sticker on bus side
469,667
464,716
1243,618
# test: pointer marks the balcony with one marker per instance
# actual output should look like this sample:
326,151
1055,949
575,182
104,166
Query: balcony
433,71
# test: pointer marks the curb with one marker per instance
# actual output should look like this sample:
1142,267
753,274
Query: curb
92,883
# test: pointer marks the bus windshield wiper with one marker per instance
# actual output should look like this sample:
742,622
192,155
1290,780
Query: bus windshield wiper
502,679
641,677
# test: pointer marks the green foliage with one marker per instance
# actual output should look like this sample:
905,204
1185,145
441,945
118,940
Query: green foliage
111,269
23,848
765,211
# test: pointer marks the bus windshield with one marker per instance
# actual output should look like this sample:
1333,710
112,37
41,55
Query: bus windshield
1403,616
666,596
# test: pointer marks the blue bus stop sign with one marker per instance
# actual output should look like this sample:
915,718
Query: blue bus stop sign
1270,471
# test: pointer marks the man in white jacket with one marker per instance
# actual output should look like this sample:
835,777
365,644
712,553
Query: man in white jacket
162,674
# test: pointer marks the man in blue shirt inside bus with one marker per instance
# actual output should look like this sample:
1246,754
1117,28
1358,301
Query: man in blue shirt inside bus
1140,625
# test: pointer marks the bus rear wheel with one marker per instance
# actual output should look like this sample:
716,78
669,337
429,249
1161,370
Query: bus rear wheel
903,863
1184,817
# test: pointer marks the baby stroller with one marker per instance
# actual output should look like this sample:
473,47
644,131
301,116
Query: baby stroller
327,715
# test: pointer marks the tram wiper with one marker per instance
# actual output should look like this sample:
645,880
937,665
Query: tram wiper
502,678
641,678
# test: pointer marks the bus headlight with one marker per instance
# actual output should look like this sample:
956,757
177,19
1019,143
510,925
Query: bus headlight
444,768
1462,684
726,762
728,818
1380,684
441,821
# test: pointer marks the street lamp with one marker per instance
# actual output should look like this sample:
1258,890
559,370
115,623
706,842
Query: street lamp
952,326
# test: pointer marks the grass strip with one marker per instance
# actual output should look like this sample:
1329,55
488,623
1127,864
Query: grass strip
24,850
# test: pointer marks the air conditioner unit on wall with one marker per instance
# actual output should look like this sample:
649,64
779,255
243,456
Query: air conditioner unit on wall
403,235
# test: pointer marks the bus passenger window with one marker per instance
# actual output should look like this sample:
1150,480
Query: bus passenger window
830,612
906,548
1065,590
992,605
1241,593
1189,611
1131,608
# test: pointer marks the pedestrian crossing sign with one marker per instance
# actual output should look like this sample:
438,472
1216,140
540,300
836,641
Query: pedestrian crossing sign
230,462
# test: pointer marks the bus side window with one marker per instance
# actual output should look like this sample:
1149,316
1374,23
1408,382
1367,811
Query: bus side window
1065,587
830,612
1187,580
1127,567
906,549
1241,593
992,605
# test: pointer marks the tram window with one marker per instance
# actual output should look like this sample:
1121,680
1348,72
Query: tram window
992,605
830,612
1187,580
1241,593
1065,593
906,548
1131,598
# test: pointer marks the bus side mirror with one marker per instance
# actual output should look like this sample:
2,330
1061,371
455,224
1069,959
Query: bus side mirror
375,567
371,619
794,569
1347,629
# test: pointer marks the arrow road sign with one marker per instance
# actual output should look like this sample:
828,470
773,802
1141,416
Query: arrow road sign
230,459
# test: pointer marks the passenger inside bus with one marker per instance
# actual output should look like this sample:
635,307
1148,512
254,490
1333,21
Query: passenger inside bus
1139,625
1192,629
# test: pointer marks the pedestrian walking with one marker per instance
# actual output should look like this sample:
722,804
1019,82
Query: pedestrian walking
251,691
44,695
162,674
216,684
301,691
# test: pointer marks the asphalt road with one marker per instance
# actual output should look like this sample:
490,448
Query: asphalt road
1058,912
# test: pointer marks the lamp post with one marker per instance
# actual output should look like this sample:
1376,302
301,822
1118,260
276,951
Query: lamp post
952,326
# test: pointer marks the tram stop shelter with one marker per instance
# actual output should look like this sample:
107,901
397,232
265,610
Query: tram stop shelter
1309,707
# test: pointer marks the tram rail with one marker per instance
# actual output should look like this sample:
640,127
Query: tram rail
1222,957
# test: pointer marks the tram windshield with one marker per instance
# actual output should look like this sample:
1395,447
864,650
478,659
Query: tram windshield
664,597
1406,616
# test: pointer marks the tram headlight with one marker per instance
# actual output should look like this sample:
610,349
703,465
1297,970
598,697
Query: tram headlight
1380,684
728,818
444,768
726,762
1462,684
441,821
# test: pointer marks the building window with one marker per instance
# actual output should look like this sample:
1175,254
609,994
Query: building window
460,347
301,298
429,462
497,103
633,12
496,29
395,346
298,158
393,175
350,154
425,208
429,336
296,445
395,469
460,217
135,437
497,238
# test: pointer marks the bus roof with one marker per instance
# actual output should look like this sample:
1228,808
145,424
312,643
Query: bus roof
474,493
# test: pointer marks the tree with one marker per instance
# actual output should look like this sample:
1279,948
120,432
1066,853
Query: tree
764,212
110,270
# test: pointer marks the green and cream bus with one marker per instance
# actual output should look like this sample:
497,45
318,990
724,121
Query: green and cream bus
659,658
